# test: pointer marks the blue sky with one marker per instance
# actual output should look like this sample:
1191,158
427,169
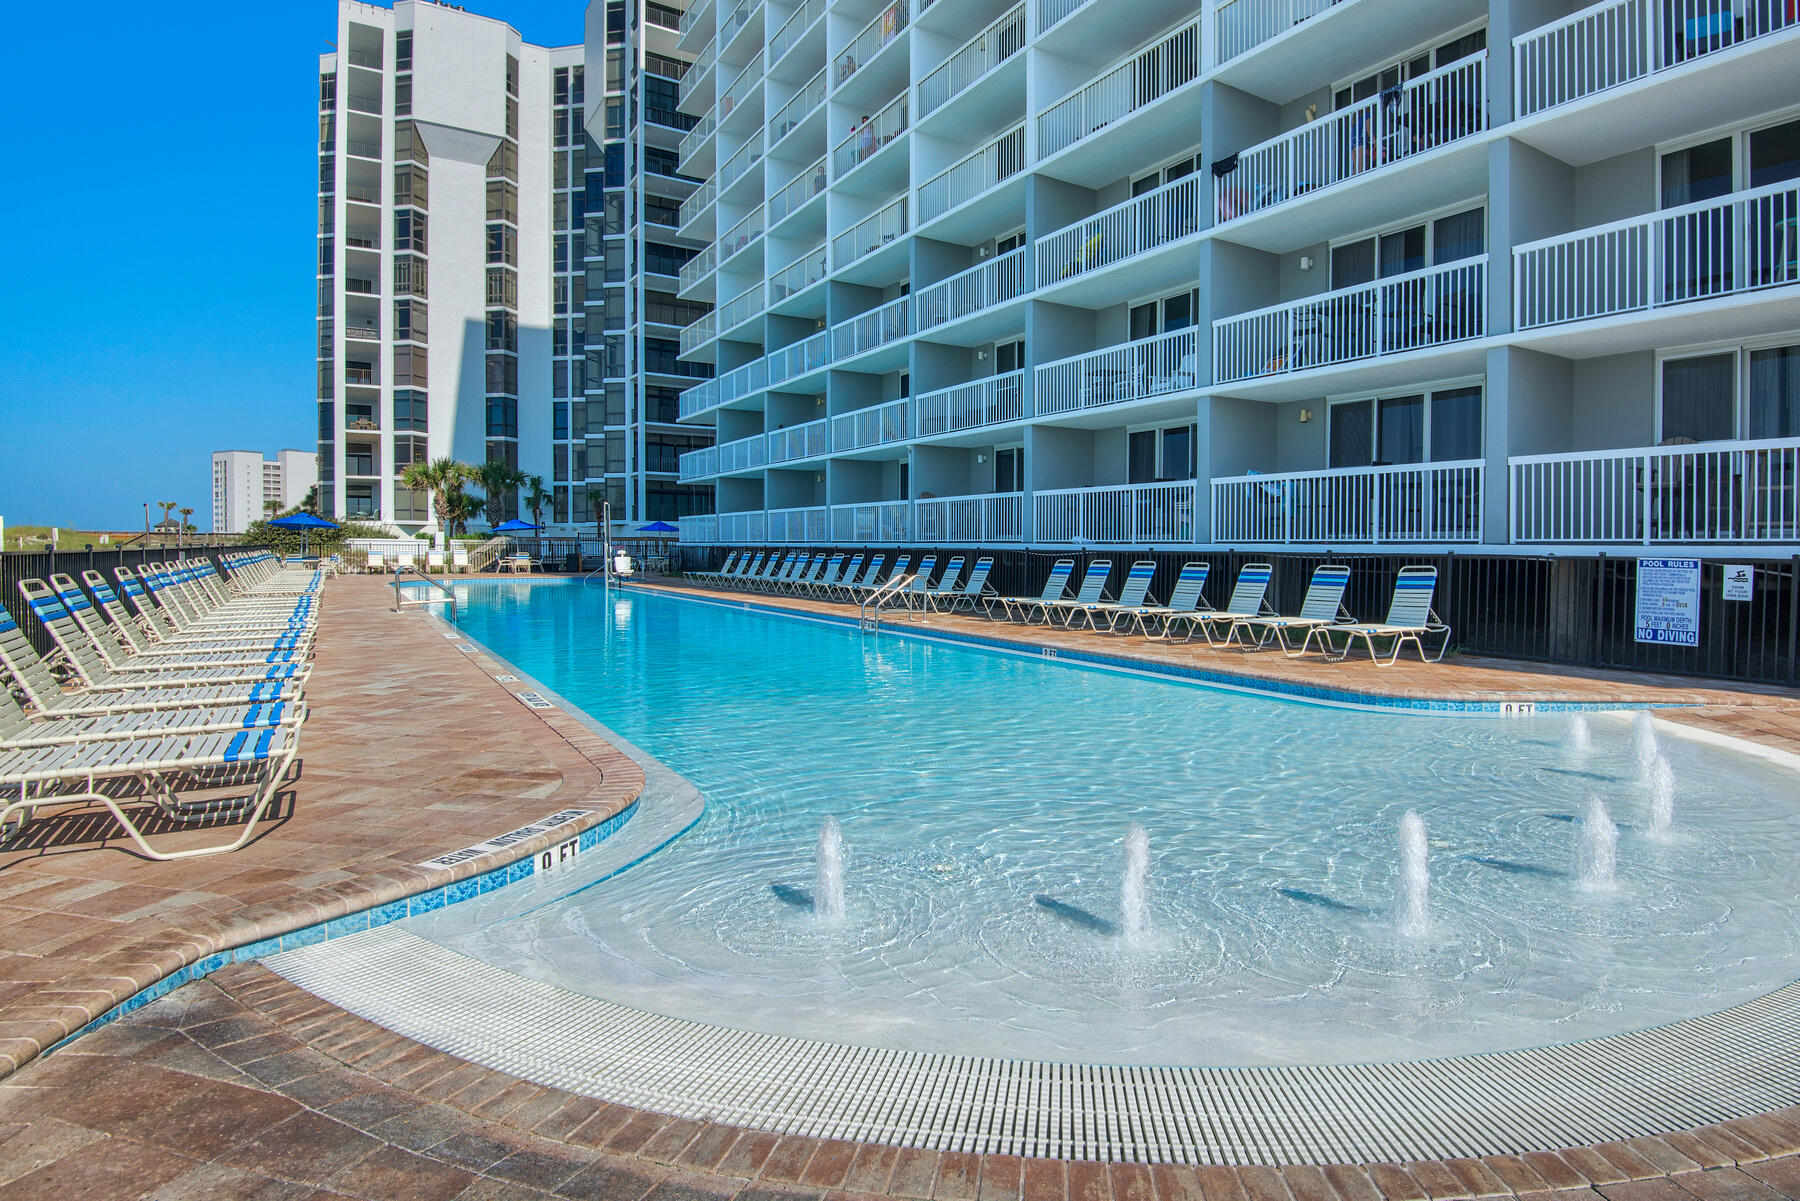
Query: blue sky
163,186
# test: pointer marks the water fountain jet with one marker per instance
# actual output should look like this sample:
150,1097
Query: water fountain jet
1662,796
828,874
1597,852
1136,882
1415,877
1580,739
1643,741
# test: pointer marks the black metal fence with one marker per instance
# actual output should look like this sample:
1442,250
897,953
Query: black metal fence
42,564
1577,611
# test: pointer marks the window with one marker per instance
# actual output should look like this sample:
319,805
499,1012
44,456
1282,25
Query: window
512,75
1775,392
409,321
403,50
502,419
502,201
403,96
504,163
1410,248
1410,68
1159,455
409,367
1698,398
502,330
409,410
502,244
1186,165
1009,356
1009,470
1402,428
409,230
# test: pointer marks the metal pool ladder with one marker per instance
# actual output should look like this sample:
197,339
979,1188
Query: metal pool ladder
877,598
402,602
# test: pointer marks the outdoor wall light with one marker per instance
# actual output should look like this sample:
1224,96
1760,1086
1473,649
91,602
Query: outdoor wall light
980,459
1306,262
1305,416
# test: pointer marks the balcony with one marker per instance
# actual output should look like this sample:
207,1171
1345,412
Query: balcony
739,308
361,375
803,357
797,276
809,441
875,37
1420,309
1240,26
1139,514
741,90
877,425
697,268
1712,250
743,454
871,138
1616,42
362,333
803,187
974,520
692,140
870,234
1158,366
802,526
694,336
699,464
698,201
1136,83
1413,502
871,330
744,381
741,236
699,398
1736,493
697,530
987,168
799,107
747,156
881,521
1444,106
794,28
1121,233
983,286
992,401
977,57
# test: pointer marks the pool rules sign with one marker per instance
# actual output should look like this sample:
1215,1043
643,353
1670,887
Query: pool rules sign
1668,601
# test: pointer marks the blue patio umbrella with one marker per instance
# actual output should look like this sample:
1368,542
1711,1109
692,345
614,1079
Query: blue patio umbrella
515,526
304,522
658,527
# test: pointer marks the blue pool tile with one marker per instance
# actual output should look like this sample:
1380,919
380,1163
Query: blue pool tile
305,937
350,923
426,901
255,950
210,964
381,915
461,890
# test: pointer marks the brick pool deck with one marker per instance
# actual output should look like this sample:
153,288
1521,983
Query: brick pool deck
243,1085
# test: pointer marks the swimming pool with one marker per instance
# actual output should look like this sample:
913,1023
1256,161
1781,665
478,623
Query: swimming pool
985,801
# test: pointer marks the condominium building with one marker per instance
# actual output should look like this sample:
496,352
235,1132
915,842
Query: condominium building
1245,273
245,485
472,215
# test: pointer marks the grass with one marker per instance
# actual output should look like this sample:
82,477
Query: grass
37,537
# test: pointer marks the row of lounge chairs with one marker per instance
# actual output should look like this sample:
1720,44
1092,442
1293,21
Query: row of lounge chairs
175,679
1247,620
381,563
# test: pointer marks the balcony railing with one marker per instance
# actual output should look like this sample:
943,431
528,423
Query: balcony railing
743,527
866,331
1141,80
976,520
747,81
994,163
797,276
735,20
989,401
1438,108
871,137
1157,218
1706,492
1240,26
1054,12
742,454
698,464
794,28
700,332
808,354
696,20
802,188
1617,41
700,530
1135,513
1414,502
697,202
742,381
741,235
740,308
870,234
809,441
881,521
361,375
982,286
699,398
363,149
698,267
807,525
877,425
362,333
979,55
1153,366
702,130
875,37
1735,244
747,156
1433,307
798,108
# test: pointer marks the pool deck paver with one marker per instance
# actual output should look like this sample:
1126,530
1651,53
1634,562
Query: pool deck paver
245,1086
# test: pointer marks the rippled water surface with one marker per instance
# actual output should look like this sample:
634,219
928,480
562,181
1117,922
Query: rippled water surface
984,802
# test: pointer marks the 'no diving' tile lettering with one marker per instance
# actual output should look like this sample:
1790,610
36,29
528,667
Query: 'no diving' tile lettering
562,852
534,700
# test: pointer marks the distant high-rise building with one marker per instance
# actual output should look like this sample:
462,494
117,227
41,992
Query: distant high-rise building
479,214
244,485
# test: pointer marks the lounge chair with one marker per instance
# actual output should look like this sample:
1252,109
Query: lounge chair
774,570
434,560
853,582
1324,606
870,586
1093,592
81,616
375,564
748,568
974,591
1248,599
1131,597
847,576
1056,586
139,641
944,590
829,572
404,558
725,569
1410,619
459,558
794,572
1187,597
921,581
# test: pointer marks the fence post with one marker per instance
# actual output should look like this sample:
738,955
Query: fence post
1793,655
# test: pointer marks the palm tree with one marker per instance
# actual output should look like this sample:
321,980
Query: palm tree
187,524
536,497
597,506
444,479
498,480
467,509
272,508
310,502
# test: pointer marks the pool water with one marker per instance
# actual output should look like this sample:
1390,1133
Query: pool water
985,801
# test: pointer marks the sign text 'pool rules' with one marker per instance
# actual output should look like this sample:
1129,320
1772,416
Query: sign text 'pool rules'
1668,602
